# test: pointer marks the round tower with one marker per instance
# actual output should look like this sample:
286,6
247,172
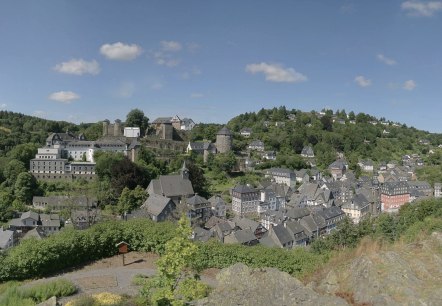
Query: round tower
106,127
117,127
224,140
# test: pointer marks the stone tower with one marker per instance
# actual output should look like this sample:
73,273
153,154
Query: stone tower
106,127
224,140
117,128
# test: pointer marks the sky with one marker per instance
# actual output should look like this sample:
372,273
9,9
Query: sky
90,60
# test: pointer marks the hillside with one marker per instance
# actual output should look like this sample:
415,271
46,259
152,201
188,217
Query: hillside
358,136
16,128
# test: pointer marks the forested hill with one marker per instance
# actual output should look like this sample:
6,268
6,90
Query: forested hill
358,136
16,128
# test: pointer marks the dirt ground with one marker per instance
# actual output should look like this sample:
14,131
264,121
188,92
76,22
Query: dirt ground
110,275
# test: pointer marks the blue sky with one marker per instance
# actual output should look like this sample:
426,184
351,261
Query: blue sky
85,60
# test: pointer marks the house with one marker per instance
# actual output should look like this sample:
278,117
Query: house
187,124
36,233
246,132
248,224
59,203
198,208
223,229
302,176
218,206
366,165
158,207
201,147
296,214
272,218
437,190
245,199
244,237
298,233
282,176
307,152
256,145
279,191
338,168
201,234
50,223
174,186
357,209
421,186
316,196
332,216
27,221
269,155
314,226
7,239
394,195
278,236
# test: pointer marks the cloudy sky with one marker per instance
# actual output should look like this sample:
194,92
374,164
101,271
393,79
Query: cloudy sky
85,61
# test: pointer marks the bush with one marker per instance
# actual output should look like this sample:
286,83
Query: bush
15,295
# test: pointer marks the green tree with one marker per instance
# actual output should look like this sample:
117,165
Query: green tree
12,170
174,283
25,187
24,153
136,118
131,199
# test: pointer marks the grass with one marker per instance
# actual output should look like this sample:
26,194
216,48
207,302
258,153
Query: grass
12,293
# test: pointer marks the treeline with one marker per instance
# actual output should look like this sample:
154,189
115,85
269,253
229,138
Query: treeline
360,140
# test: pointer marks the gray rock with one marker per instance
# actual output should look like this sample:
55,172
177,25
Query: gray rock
51,302
241,285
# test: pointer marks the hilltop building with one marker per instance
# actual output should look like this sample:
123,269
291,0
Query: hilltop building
224,140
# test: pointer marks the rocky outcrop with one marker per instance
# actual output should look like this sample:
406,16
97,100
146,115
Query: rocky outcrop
402,275
241,285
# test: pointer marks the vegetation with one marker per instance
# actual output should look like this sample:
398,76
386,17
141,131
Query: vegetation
99,299
174,284
13,294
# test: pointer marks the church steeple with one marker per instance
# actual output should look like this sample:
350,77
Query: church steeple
184,171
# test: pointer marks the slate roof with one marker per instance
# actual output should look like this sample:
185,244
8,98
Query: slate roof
245,223
243,189
171,186
5,237
197,200
358,202
338,164
161,120
282,234
155,204
212,222
216,201
37,233
200,146
29,214
224,131
297,213
331,212
307,151
240,236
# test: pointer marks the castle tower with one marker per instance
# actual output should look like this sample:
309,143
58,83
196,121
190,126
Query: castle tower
224,140
106,127
117,128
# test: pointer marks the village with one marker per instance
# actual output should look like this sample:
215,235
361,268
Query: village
287,209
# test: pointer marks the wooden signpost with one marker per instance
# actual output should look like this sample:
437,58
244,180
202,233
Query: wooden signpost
122,248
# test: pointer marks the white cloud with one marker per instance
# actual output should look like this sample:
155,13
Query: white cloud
3,106
386,60
421,8
409,85
65,97
276,73
165,59
170,46
197,95
78,67
121,52
362,81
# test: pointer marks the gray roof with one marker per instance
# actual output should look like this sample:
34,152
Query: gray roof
224,131
282,234
245,223
216,201
197,200
155,204
330,212
297,213
37,233
171,186
29,214
160,120
243,189
240,236
5,237
358,202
